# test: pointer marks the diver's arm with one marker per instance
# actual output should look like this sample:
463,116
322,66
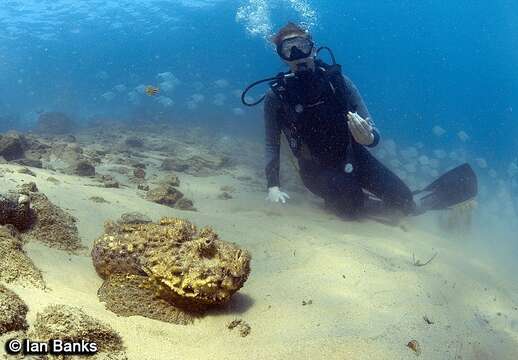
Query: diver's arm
272,139
272,148
357,103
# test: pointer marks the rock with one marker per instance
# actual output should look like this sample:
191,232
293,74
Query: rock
98,199
196,165
185,204
168,270
174,165
143,187
228,188
74,147
55,123
106,178
134,142
121,170
53,226
68,154
14,212
13,312
26,171
82,168
111,184
224,196
139,173
74,325
35,147
173,180
133,218
69,138
16,267
30,163
33,213
164,195
53,180
12,147
27,188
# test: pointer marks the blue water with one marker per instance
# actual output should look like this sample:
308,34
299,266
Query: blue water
417,64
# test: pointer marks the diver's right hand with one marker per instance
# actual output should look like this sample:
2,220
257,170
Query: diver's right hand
276,195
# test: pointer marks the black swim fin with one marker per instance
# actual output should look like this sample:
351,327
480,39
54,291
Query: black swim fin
454,187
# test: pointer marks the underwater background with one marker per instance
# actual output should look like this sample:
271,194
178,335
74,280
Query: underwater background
440,79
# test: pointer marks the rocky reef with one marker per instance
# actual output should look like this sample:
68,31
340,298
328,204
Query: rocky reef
169,270
13,312
71,324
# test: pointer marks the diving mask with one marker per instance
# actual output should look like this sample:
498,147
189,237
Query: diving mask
295,48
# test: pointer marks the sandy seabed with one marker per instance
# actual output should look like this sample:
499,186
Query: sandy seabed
320,287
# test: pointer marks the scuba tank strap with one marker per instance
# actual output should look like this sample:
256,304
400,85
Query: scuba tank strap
278,86
272,80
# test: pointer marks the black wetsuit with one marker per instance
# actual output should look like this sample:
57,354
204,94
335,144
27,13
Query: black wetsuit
311,112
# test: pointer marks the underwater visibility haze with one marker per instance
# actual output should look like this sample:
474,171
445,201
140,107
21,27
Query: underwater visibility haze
123,134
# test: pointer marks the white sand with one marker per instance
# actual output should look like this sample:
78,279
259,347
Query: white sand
368,299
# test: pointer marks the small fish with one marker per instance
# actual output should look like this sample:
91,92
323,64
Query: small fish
424,160
438,131
481,162
441,154
463,136
151,90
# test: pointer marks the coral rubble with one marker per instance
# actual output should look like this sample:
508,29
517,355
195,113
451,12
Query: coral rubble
174,270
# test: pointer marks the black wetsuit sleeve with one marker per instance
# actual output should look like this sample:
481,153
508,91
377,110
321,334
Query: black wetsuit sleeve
357,103
272,112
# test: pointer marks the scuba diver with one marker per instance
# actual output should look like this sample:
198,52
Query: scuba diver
329,130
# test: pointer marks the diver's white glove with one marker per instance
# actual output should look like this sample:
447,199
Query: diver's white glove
276,195
360,128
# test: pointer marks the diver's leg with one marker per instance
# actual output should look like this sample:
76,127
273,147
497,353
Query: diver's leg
342,192
345,194
383,183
